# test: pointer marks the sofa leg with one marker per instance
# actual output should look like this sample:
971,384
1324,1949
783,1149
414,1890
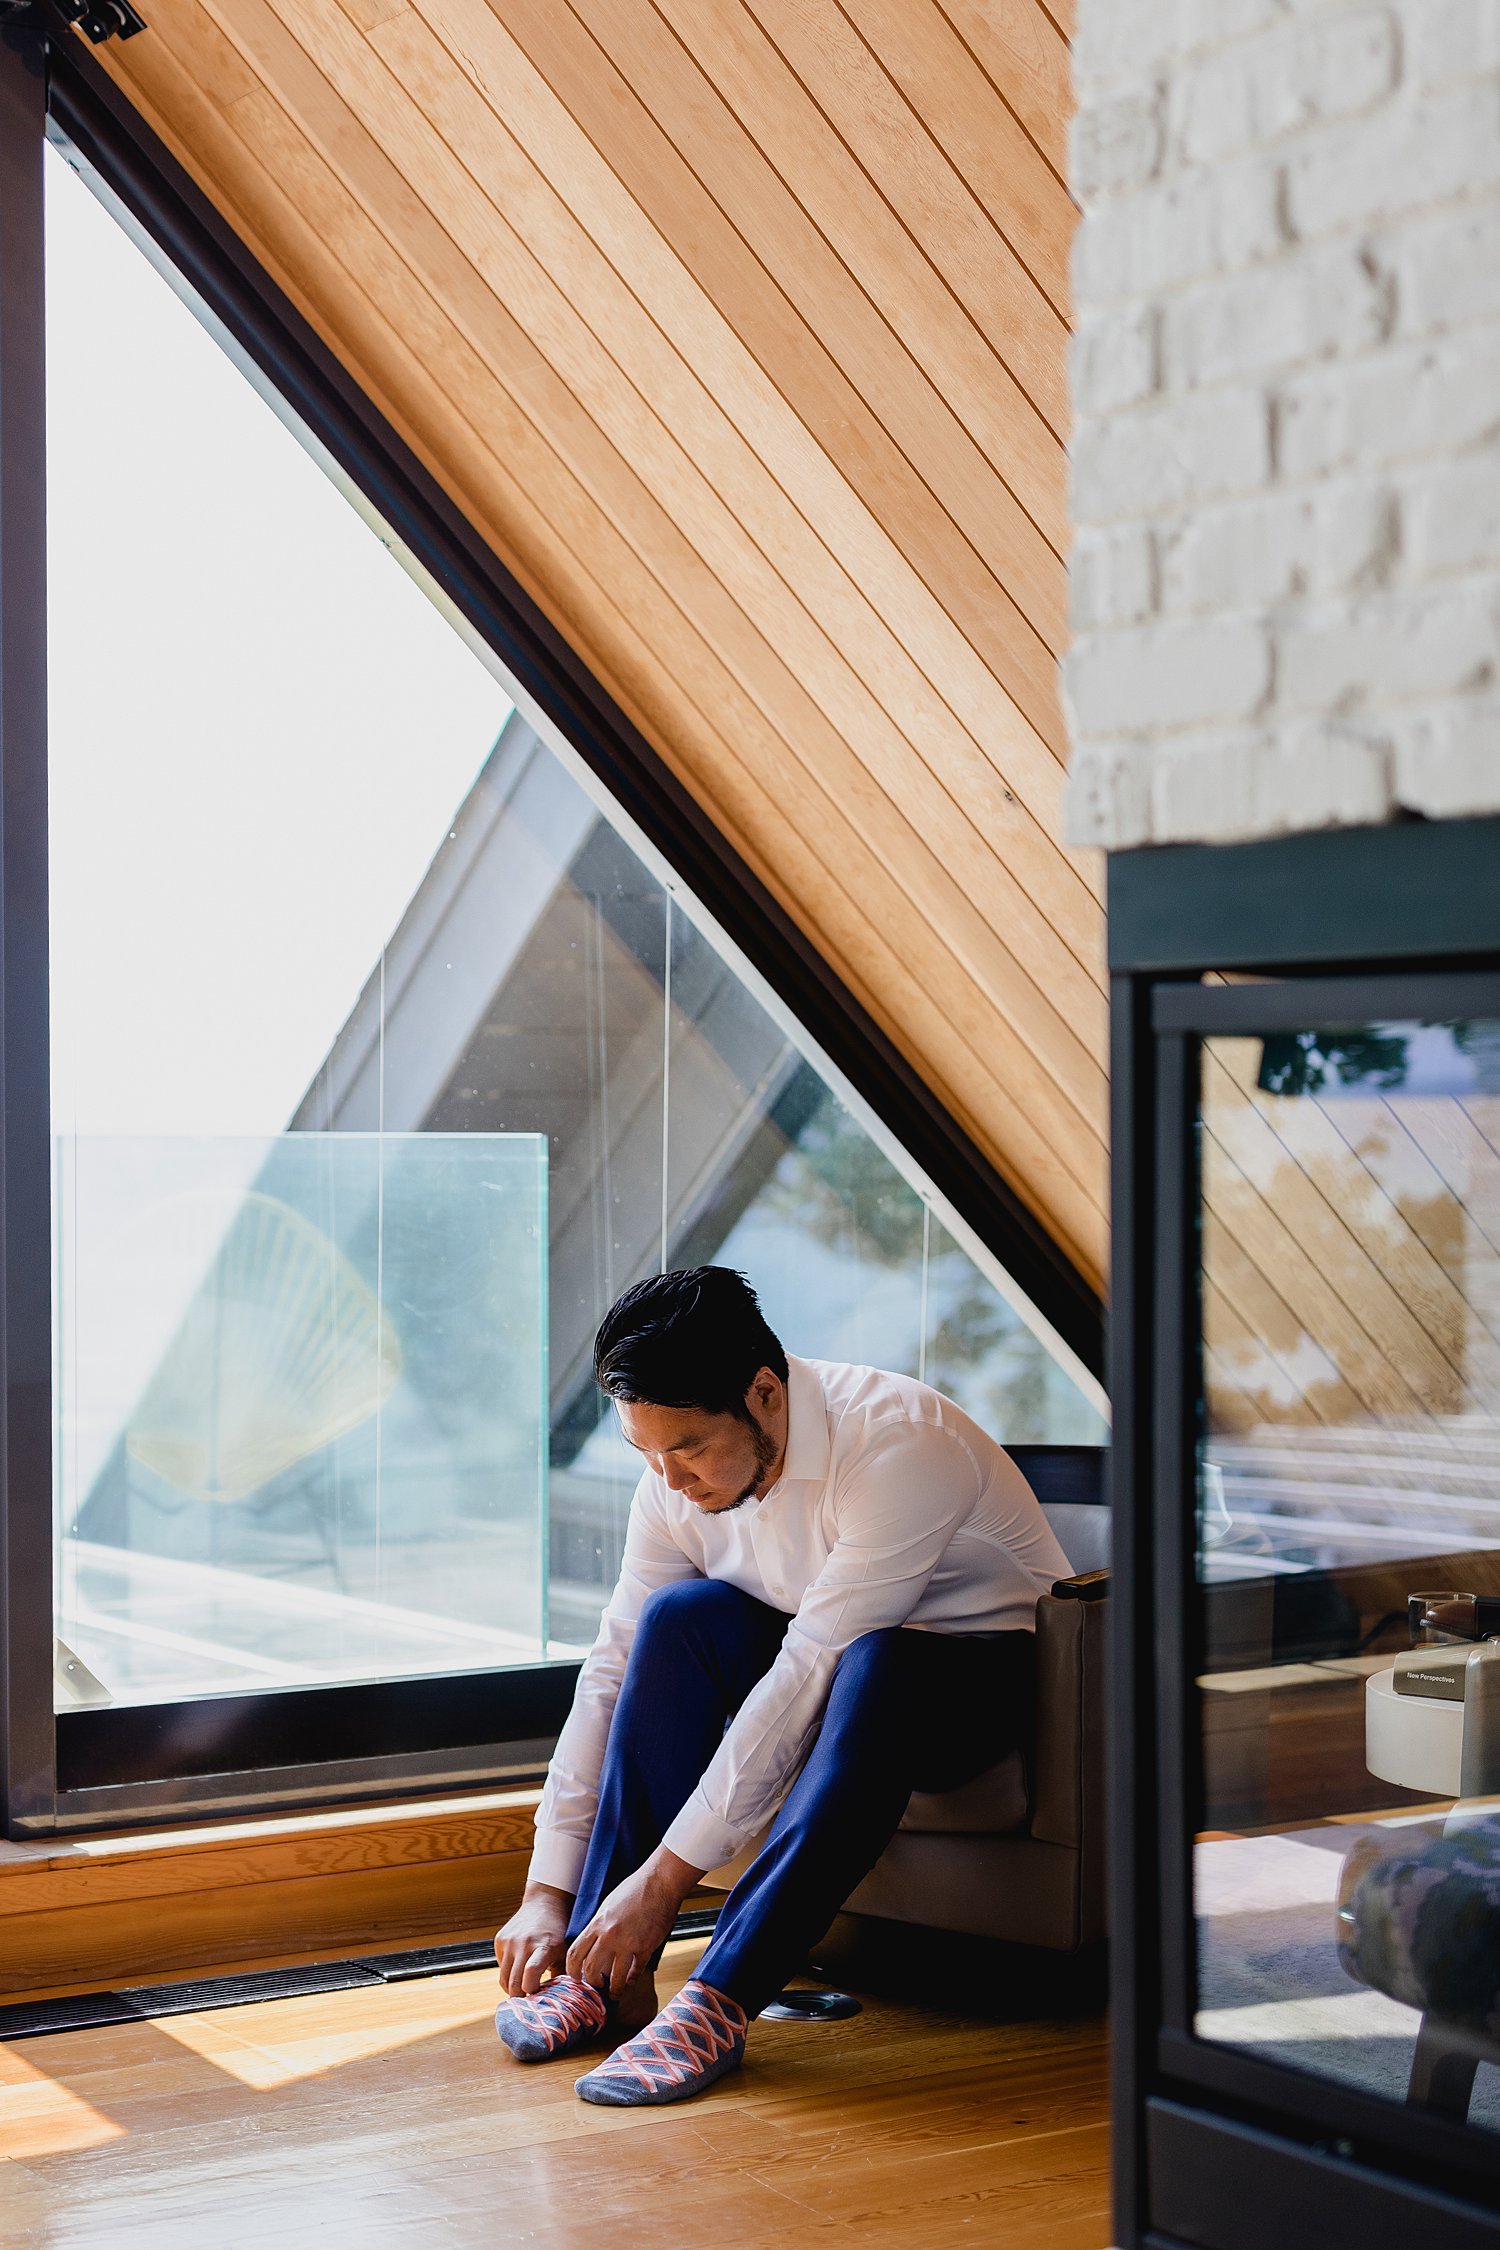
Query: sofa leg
1442,2073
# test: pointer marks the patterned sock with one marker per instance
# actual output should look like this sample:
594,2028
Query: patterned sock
564,2016
695,2039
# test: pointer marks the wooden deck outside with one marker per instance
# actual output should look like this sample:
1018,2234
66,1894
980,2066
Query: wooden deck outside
391,2116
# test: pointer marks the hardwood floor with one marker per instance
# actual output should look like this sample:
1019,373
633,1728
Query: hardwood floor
390,2115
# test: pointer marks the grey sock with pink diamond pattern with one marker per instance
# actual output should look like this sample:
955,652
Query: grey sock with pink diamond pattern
564,2016
696,2038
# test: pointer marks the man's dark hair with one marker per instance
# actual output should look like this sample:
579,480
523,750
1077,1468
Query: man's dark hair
695,1338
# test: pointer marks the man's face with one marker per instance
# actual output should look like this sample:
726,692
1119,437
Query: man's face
715,1460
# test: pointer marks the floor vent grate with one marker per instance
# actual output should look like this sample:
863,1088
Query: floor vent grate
85,2011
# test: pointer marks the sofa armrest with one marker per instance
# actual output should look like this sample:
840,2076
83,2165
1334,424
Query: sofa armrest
1088,1586
1068,1776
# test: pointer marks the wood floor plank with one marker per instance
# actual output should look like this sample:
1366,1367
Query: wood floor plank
390,2114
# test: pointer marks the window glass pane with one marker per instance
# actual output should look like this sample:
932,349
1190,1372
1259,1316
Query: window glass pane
301,1407
1348,1875
328,911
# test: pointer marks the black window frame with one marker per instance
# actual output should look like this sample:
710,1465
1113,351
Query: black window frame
1212,2145
88,1768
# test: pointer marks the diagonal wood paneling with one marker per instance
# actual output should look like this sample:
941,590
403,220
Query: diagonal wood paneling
738,327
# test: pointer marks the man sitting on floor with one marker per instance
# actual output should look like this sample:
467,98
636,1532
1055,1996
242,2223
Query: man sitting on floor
827,1600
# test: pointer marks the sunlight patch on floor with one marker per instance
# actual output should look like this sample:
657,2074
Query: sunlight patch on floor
287,2050
38,2117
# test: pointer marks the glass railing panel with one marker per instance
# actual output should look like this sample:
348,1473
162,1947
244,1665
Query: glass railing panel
301,1410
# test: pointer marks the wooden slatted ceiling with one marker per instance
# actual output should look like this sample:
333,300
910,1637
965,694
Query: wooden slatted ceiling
738,327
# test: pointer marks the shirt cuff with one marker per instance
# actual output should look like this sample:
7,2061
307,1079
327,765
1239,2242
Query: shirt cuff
703,1837
557,1859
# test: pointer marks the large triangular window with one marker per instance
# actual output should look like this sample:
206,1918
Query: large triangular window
386,1049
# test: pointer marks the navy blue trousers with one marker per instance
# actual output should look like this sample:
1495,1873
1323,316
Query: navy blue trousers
907,1710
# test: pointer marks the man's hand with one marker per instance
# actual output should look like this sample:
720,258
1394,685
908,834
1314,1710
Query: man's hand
633,1923
533,1942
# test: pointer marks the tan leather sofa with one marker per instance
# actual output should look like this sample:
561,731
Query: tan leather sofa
1018,1853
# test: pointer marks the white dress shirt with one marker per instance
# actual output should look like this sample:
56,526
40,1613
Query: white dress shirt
892,1508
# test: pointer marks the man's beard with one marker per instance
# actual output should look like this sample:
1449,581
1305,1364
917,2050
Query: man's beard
765,1455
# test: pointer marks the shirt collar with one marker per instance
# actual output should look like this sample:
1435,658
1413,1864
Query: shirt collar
809,1449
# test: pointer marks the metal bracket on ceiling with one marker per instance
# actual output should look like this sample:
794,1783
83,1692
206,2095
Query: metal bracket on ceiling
98,20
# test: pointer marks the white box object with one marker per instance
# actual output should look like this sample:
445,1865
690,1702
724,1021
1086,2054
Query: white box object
1413,1740
1445,1749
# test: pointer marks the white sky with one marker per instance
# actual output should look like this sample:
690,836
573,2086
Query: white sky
260,728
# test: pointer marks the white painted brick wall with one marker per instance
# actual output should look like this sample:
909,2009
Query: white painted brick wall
1286,386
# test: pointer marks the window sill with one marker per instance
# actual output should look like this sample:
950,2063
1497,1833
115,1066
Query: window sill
97,1912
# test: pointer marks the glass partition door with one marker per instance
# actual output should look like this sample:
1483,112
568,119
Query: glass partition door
1328,1330
1347,1883
1305,1343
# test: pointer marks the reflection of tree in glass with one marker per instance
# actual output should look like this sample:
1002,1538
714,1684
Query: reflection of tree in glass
978,1350
844,1178
1481,1043
1011,1393
1304,1062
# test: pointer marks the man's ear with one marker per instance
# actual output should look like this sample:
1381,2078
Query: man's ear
763,1387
